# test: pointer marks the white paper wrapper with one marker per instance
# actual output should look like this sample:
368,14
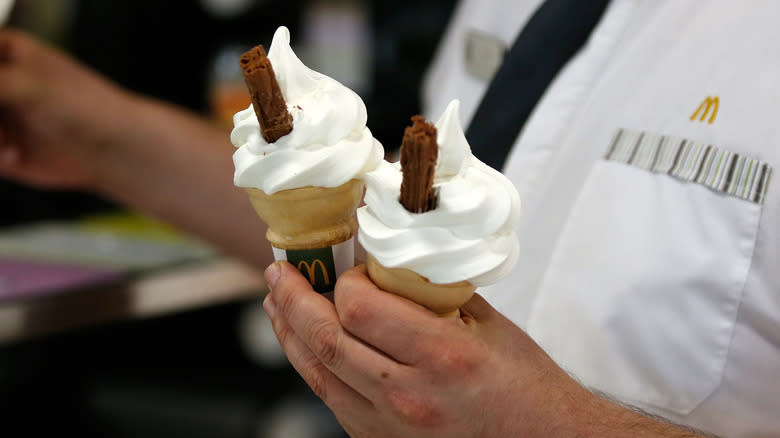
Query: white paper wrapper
321,266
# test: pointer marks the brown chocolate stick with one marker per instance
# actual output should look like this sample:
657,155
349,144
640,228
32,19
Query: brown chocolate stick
419,152
267,98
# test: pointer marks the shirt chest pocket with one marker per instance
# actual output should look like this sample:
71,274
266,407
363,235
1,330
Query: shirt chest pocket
643,289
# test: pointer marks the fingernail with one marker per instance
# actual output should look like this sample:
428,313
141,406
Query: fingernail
272,273
269,306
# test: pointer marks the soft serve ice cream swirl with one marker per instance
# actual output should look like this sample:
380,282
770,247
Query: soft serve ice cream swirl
470,235
329,144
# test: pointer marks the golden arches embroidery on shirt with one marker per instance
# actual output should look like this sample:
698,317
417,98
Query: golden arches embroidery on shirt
709,103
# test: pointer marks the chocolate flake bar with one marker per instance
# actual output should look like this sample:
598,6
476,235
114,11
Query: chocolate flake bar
267,98
419,152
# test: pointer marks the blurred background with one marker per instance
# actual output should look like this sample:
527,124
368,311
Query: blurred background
210,369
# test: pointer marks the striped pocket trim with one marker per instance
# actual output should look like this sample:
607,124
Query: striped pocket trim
716,168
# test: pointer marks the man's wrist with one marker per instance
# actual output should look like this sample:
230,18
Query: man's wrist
609,418
114,139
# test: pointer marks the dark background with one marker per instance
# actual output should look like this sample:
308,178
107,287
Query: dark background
183,374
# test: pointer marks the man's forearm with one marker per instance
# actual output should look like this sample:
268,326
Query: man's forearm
611,418
176,166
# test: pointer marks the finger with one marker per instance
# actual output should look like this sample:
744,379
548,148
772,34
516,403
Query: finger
313,319
396,326
335,393
352,409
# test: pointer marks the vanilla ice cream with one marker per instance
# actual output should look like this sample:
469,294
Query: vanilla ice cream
329,144
470,235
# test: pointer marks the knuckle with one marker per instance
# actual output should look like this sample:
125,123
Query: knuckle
315,377
455,361
414,410
284,301
282,332
345,278
325,342
354,314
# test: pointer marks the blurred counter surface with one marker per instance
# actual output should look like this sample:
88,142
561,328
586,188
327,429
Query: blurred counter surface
61,275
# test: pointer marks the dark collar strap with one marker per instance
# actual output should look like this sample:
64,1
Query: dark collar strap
556,31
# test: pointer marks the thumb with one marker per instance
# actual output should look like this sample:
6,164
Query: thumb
283,275
289,286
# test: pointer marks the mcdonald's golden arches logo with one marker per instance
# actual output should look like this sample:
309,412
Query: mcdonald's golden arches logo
317,265
709,106
311,270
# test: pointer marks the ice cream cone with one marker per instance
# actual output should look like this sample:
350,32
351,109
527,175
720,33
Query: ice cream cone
309,217
443,299
438,223
288,162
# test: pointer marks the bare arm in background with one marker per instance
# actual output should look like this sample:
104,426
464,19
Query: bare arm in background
63,126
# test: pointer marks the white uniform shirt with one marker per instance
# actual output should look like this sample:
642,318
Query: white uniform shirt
649,262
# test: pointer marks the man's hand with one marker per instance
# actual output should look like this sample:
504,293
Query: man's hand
390,368
56,115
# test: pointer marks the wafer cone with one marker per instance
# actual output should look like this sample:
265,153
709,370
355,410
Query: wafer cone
443,299
309,217
419,152
310,227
